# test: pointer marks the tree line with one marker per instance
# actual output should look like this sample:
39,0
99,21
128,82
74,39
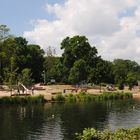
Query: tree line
19,61
80,62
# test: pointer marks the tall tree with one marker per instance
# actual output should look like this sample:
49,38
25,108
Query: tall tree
25,56
25,77
4,33
78,72
76,48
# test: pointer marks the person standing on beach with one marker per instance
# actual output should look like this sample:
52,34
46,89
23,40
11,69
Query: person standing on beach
32,90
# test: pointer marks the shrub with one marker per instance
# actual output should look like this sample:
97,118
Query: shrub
49,83
85,97
70,98
119,134
22,100
59,98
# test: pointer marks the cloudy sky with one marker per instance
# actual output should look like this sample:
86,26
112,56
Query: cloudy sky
113,26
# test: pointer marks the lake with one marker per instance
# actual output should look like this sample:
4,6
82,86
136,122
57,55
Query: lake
62,121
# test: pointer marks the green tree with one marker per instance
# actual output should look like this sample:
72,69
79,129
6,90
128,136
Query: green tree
50,68
101,73
25,77
4,33
123,71
120,70
132,79
10,74
25,56
35,61
78,72
76,48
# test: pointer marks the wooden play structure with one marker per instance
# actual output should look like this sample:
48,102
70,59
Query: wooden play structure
21,90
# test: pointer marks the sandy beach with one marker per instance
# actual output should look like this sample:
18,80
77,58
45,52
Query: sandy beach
52,90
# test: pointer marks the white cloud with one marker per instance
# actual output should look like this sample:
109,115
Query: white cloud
99,20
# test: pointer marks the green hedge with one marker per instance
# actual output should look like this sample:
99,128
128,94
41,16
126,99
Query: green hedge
119,134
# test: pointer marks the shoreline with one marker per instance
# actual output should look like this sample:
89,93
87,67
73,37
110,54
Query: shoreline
48,96
51,91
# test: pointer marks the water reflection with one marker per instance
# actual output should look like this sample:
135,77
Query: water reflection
62,121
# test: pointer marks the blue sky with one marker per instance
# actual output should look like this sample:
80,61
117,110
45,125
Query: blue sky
17,14
113,26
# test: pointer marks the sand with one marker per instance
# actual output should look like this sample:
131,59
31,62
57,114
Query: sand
52,90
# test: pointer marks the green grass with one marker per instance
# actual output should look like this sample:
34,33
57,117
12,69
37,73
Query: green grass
85,97
22,100
119,134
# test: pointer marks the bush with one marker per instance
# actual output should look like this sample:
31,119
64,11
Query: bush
85,97
49,83
119,134
70,98
22,100
59,98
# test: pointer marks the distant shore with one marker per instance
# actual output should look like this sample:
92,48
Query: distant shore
49,91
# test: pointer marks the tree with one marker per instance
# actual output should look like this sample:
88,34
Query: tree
120,70
78,72
76,48
4,32
132,79
50,51
35,61
25,77
10,74
101,73
124,70
24,55
50,68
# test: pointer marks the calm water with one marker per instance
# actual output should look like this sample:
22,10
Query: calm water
62,121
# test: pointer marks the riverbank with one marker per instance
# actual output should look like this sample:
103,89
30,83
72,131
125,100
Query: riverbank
80,97
51,91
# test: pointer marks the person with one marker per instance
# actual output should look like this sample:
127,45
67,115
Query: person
32,90
18,91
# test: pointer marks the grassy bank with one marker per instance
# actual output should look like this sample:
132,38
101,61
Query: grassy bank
22,100
119,134
83,97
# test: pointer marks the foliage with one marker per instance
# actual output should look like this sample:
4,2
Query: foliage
25,77
132,79
16,55
76,50
85,97
119,134
79,62
59,98
125,72
78,72
50,68
22,100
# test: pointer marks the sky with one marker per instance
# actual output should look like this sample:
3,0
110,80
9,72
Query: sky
113,26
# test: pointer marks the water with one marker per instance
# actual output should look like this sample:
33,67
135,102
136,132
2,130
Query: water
62,121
